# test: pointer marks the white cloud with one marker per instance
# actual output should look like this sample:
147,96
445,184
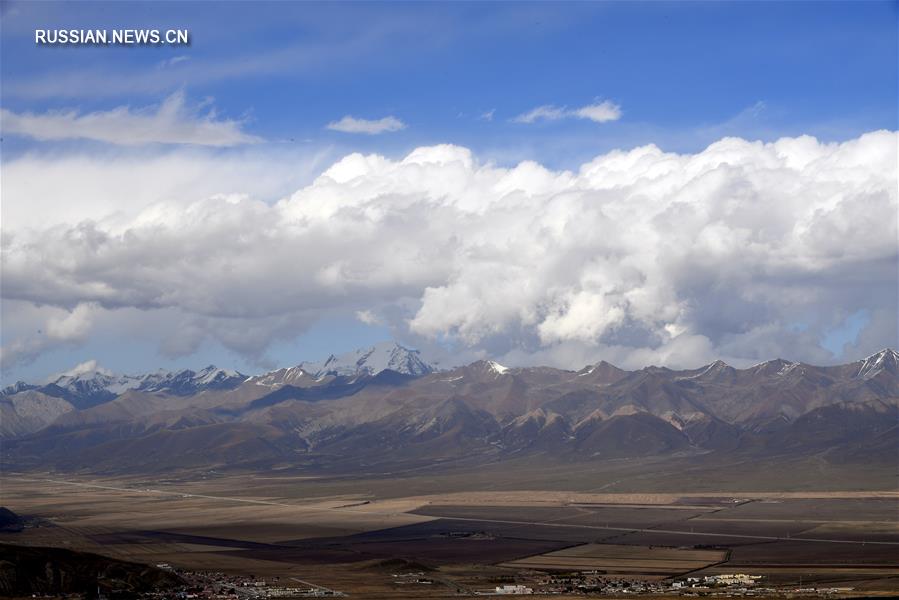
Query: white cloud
579,316
73,326
368,317
55,327
601,112
488,115
84,368
350,124
546,112
171,62
743,251
172,122
47,188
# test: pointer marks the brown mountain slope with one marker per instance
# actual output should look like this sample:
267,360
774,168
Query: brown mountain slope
481,411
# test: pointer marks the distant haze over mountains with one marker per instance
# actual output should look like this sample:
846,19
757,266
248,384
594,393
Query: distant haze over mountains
387,405
96,385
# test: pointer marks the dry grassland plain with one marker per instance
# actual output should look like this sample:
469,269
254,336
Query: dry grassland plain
350,537
617,559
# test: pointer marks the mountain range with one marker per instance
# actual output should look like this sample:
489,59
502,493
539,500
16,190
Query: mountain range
386,405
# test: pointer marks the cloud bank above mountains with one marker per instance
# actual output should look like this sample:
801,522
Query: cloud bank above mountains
743,251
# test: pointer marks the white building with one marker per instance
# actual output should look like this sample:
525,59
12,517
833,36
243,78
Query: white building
733,579
513,589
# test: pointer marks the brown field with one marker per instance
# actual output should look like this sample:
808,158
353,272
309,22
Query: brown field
339,533
616,559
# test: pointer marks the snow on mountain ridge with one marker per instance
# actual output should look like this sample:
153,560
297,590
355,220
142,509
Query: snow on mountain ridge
876,363
19,386
97,381
213,374
496,367
715,368
371,361
777,366
100,384
187,381
290,375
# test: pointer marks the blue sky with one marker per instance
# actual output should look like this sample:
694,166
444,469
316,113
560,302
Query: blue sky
682,75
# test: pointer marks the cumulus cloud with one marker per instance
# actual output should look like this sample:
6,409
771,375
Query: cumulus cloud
350,124
743,251
601,112
61,327
73,326
84,368
172,122
41,189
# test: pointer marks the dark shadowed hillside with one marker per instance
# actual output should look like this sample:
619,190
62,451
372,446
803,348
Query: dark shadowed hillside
31,570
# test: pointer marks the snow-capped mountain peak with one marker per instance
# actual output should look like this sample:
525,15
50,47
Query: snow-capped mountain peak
777,366
96,382
371,361
887,359
287,376
187,381
486,369
88,387
212,374
496,367
712,370
19,386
